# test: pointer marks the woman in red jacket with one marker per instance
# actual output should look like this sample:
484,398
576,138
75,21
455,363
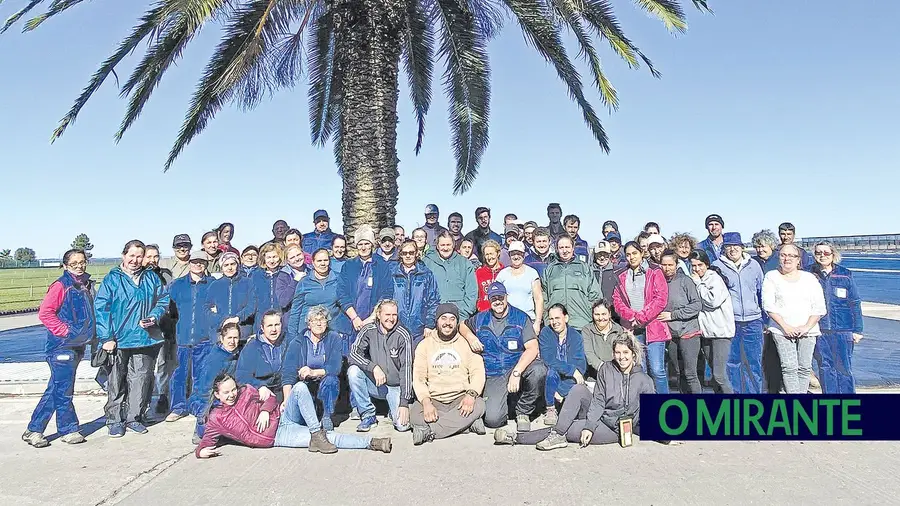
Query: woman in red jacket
240,414
487,273
639,297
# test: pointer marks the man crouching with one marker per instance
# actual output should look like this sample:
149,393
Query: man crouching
448,378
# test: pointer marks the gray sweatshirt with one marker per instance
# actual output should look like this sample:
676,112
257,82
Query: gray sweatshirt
391,352
684,304
617,395
597,347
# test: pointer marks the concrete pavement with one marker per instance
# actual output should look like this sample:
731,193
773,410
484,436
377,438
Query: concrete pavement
159,468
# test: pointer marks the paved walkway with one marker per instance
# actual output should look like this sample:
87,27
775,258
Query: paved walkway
160,468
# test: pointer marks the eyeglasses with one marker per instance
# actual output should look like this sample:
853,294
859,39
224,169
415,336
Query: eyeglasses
788,255
823,253
407,253
78,264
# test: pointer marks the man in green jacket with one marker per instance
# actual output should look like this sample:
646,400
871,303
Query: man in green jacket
454,274
570,282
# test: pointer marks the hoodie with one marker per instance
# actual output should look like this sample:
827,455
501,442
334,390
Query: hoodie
455,277
717,315
745,284
684,303
617,395
445,370
392,352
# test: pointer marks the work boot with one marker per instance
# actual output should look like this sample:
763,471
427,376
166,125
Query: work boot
551,417
318,442
35,439
72,438
477,427
501,437
381,444
421,434
523,423
553,441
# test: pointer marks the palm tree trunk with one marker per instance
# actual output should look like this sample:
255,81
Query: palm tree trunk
368,38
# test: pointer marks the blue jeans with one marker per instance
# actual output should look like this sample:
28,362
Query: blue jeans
191,362
745,359
656,355
834,353
57,397
363,389
301,410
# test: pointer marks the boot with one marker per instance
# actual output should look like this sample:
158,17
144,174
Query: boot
381,444
318,442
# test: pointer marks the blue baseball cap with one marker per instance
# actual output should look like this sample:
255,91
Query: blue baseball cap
614,235
732,239
432,209
320,214
494,289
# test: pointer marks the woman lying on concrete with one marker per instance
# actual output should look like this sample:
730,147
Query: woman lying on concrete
588,419
240,414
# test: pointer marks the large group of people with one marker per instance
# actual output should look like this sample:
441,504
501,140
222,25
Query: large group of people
456,333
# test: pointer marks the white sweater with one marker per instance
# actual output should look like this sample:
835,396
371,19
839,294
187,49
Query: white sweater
717,314
795,301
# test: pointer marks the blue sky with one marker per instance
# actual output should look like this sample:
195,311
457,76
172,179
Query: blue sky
767,111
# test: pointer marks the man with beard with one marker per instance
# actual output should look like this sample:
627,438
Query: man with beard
483,233
455,225
448,378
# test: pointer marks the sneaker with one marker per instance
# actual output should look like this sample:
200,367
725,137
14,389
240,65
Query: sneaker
136,427
523,423
72,438
421,434
354,414
477,427
327,423
35,439
174,417
551,417
501,437
117,430
554,441
366,424
381,444
318,442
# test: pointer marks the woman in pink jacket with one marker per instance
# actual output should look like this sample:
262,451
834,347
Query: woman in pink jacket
639,297
240,414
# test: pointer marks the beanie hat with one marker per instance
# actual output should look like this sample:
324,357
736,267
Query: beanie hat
445,308
364,233
229,255
714,217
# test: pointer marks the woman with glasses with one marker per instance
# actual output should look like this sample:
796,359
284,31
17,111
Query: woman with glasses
842,326
795,302
67,312
416,292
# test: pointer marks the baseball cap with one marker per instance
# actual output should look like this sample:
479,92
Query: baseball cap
732,239
512,227
432,209
386,233
656,238
320,214
531,224
182,239
614,236
603,247
199,255
714,217
494,289
517,246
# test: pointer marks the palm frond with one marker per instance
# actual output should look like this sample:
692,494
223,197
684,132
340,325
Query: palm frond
467,82
668,11
489,16
18,15
540,31
254,26
55,8
418,61
600,16
145,27
323,79
565,9
702,5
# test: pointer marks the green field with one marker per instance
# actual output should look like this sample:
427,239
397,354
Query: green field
25,288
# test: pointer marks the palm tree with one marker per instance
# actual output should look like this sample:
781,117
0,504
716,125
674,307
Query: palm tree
353,50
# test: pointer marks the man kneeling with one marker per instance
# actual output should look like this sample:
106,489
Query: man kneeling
448,378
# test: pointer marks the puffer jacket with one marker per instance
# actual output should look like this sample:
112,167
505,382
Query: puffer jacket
717,315
573,285
656,296
187,305
617,395
416,293
841,299
312,291
745,284
238,422
121,304
68,312
228,297
455,277
684,303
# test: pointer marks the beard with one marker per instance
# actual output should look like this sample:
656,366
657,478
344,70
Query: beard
444,335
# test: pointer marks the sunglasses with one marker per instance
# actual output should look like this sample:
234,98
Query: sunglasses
408,253
823,253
